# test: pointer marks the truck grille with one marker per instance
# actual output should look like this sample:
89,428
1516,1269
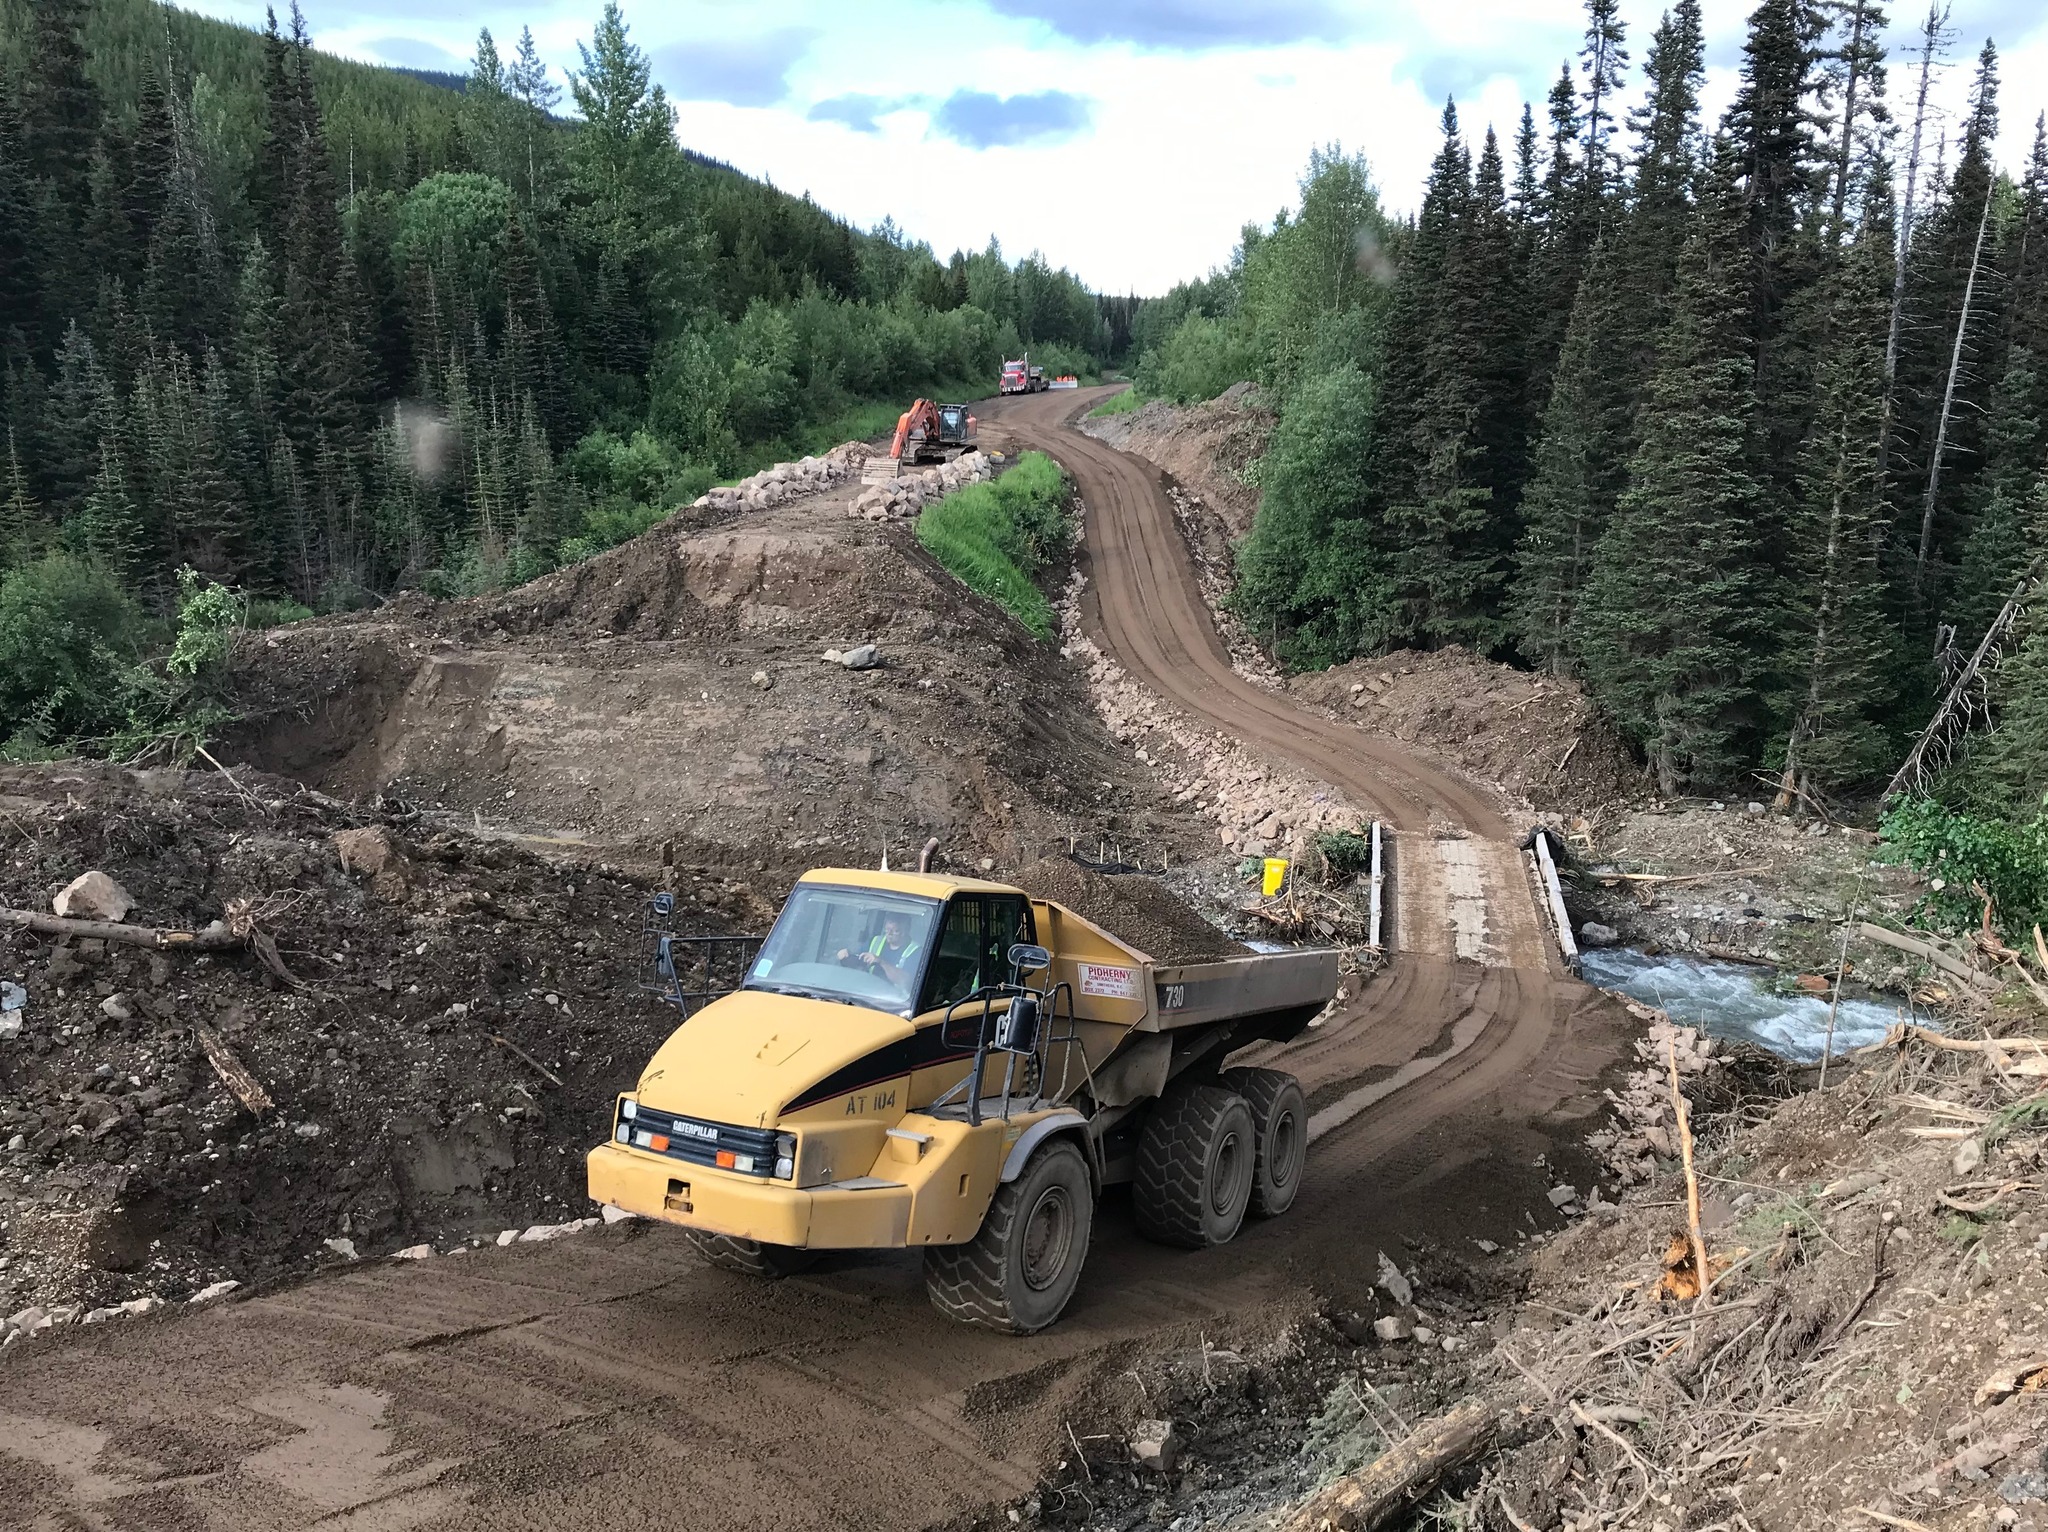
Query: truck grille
749,1151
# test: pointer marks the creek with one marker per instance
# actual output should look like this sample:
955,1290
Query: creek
1740,1003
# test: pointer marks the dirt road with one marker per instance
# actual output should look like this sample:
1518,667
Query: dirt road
609,1378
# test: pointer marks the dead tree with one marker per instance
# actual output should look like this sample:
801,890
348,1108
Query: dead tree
1948,397
1960,701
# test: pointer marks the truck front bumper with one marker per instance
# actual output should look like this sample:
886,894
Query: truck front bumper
868,1214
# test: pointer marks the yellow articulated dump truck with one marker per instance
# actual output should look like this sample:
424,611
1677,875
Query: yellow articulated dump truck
948,1064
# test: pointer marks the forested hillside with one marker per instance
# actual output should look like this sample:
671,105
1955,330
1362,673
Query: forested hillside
319,331
1744,426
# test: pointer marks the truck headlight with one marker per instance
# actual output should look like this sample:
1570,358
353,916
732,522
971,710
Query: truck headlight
785,1156
629,1108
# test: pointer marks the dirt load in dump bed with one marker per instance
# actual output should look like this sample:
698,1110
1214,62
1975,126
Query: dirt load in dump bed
676,688
1131,907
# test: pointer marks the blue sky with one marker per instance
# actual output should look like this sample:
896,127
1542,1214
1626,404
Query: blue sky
1126,139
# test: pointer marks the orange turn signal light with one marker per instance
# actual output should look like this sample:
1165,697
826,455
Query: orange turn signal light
725,1159
658,1143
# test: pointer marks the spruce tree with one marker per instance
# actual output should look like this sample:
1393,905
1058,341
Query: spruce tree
1603,60
1499,299
1671,626
1644,259
61,111
2007,770
1562,242
1998,547
271,177
1949,362
21,281
21,521
1770,132
69,451
107,530
1838,646
151,162
1580,469
529,84
1446,544
1853,80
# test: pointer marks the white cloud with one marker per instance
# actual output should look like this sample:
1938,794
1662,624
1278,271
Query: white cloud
1182,145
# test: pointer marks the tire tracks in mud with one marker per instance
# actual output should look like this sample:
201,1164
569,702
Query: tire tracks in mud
611,1377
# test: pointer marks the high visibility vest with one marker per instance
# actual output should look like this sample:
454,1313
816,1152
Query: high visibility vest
875,950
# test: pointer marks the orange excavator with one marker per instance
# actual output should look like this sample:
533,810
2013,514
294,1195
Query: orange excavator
933,433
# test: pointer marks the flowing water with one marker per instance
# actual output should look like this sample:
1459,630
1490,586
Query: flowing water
1737,1002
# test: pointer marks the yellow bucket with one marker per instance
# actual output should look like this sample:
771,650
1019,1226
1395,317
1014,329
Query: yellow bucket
1276,875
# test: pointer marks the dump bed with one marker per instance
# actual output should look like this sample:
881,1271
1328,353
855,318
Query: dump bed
1116,984
1265,984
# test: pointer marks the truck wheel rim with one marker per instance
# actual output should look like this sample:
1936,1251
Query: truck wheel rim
1286,1149
1048,1237
1223,1180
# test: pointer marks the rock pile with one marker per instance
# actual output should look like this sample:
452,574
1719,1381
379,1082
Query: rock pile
1259,811
902,498
1649,1129
790,481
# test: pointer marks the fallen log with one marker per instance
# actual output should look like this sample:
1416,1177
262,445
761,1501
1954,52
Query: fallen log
1683,877
215,938
1954,967
1389,1487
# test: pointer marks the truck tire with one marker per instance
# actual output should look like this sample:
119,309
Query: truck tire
1280,1120
1018,1272
1196,1161
749,1257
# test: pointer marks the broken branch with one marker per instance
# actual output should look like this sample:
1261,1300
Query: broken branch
1922,949
234,1074
1387,1488
1692,1180
520,1053
215,938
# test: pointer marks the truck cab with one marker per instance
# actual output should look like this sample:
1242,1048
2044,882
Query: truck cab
902,1052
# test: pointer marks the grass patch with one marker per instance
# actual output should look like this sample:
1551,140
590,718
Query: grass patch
1770,1221
995,538
1117,404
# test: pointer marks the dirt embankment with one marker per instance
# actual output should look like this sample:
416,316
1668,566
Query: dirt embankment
674,690
1536,739
402,1111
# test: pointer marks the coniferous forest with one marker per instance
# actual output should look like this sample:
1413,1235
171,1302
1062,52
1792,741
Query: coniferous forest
317,331
1741,424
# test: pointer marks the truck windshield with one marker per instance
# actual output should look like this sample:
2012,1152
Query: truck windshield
855,945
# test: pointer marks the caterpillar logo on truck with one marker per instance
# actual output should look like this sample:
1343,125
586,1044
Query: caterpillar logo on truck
911,1060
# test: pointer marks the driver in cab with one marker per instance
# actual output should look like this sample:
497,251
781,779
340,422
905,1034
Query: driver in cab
888,954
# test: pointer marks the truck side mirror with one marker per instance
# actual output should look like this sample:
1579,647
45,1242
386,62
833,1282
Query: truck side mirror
1017,1028
1026,958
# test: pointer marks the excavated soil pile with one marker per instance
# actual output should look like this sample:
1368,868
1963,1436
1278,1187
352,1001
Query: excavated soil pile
1536,738
1132,907
677,689
129,1170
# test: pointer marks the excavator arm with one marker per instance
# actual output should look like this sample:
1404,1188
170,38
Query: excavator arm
923,417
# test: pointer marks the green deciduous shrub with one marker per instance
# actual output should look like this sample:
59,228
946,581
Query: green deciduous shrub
69,637
2006,858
